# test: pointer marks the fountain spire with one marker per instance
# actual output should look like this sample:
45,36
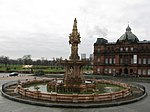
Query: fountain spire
74,40
75,29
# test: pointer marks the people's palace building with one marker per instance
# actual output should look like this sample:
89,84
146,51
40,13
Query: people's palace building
127,56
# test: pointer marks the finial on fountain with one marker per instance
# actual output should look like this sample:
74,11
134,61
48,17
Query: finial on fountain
75,26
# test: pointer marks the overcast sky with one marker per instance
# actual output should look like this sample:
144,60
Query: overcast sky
41,27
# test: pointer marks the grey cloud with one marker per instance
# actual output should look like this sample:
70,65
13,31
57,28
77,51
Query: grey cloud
43,30
97,31
101,31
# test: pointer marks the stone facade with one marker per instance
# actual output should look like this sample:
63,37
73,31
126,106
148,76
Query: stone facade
128,56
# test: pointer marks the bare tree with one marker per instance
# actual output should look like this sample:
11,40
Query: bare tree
4,60
27,60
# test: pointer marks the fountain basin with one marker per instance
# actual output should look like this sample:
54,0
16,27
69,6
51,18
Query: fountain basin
74,97
138,93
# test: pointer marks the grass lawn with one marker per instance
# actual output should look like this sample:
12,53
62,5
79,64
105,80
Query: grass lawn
46,69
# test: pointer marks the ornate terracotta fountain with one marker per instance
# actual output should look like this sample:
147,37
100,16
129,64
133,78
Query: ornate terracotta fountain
73,78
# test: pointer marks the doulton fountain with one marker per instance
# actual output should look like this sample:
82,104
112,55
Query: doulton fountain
73,78
73,90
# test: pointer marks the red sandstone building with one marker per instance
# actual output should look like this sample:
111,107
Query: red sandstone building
127,56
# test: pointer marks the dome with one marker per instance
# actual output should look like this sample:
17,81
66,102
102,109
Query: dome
128,36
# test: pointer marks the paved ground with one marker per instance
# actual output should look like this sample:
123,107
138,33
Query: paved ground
11,106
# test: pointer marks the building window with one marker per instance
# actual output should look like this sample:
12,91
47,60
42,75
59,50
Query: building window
131,60
106,70
114,69
109,70
126,61
148,72
139,71
98,50
126,48
131,48
110,60
139,61
114,61
98,70
98,60
121,49
144,60
144,72
135,59
121,61
148,60
106,61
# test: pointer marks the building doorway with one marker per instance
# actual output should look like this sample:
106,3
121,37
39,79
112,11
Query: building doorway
125,71
120,71
131,71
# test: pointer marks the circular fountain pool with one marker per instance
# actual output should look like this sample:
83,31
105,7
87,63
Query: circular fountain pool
101,88
105,90
108,93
